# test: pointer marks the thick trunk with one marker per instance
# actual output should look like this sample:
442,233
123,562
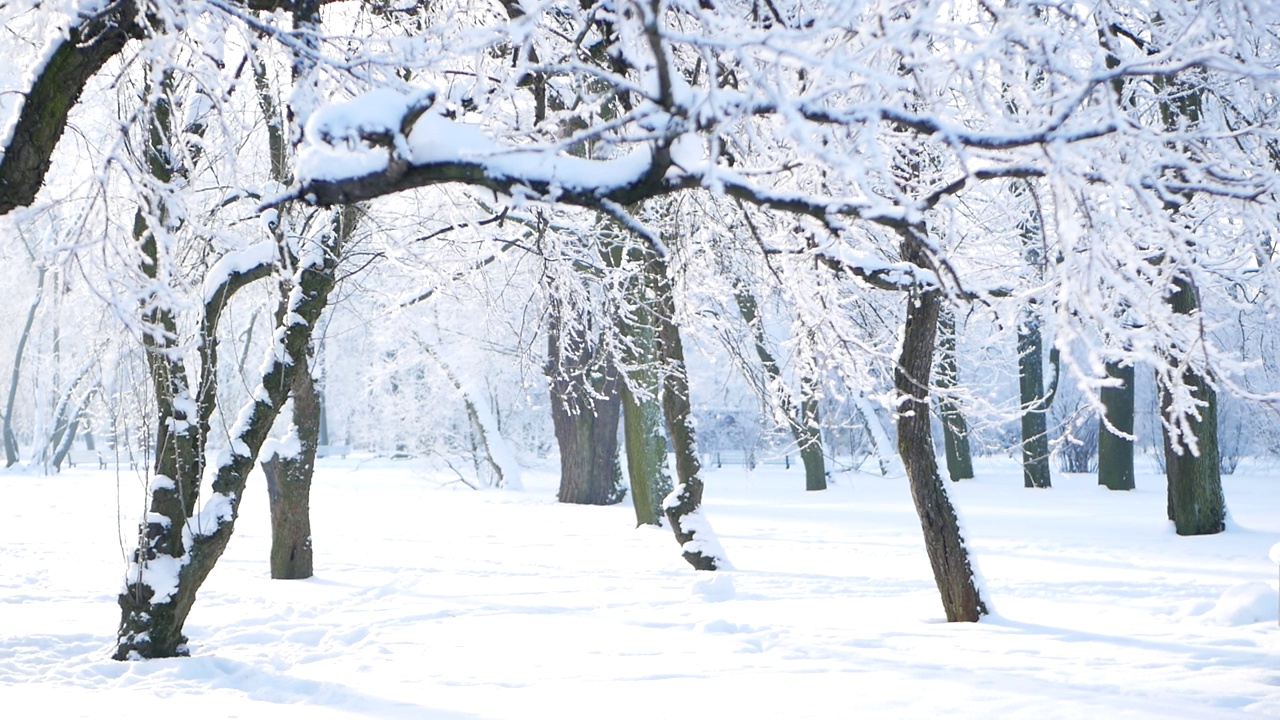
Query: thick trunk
1195,500
955,430
1115,453
289,486
948,555
646,455
1035,415
585,406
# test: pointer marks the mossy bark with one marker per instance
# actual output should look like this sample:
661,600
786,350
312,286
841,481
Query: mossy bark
955,429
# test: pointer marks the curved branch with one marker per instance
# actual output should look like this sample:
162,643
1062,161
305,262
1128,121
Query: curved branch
87,46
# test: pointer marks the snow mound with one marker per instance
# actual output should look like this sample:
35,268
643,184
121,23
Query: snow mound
1246,603
713,586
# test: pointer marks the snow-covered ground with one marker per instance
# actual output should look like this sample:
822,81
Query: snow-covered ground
443,602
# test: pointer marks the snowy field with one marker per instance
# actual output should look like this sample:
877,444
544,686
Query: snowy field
443,602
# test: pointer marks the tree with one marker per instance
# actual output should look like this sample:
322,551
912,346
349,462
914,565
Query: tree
1115,429
955,430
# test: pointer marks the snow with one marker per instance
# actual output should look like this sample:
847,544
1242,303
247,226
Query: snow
333,148
434,601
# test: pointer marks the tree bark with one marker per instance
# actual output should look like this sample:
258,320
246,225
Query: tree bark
289,485
585,405
948,556
1195,501
1115,453
1035,405
955,430
683,507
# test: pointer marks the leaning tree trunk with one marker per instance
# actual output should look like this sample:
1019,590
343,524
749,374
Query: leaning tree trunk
805,425
178,547
955,430
1115,453
952,570
10,437
683,507
289,485
1195,500
585,405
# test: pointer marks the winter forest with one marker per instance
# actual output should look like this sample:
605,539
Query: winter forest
942,276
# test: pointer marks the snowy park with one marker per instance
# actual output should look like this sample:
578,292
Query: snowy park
640,358
431,600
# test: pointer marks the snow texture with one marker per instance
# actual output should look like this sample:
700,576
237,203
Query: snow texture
435,602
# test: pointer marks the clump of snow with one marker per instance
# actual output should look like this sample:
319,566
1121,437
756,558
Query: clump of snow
713,586
1247,603
1275,553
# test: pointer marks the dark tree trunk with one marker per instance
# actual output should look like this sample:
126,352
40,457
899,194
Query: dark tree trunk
955,430
808,433
171,562
585,405
683,507
1115,453
289,486
1195,503
85,47
1035,406
948,555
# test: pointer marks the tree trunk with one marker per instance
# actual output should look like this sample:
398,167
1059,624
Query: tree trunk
948,555
646,445
683,507
955,430
1195,500
1035,406
10,437
289,485
805,425
808,433
1115,453
585,405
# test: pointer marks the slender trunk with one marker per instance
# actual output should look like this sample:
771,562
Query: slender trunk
1035,421
179,549
952,569
10,437
807,429
683,507
1195,500
1115,453
805,425
955,430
